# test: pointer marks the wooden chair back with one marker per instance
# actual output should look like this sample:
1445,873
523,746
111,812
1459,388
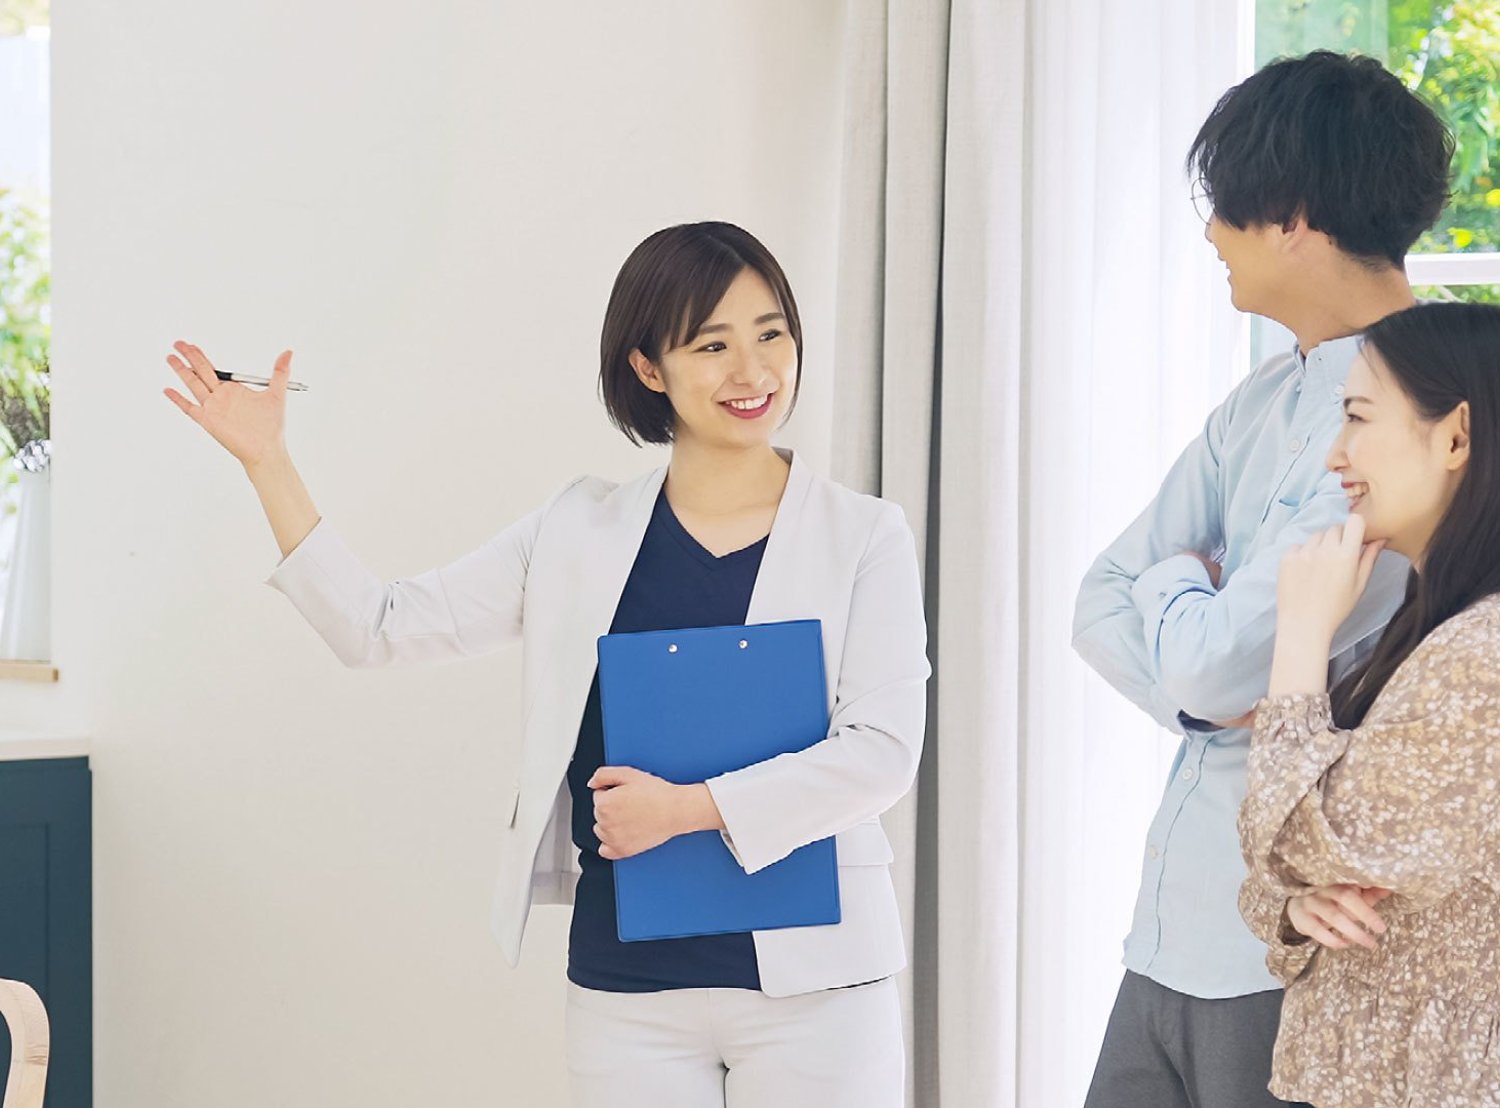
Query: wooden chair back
30,1036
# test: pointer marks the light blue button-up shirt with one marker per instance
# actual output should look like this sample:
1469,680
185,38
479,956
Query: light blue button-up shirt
1151,623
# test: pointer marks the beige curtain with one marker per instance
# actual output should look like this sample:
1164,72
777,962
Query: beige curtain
1029,328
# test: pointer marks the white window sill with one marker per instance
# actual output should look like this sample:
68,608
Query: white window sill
1453,269
28,671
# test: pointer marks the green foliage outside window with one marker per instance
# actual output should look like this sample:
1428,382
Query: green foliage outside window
17,16
25,335
25,320
25,294
1450,54
1472,294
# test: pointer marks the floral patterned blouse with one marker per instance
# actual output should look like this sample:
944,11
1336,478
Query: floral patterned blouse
1408,801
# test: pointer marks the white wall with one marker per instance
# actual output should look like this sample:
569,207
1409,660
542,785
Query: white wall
428,204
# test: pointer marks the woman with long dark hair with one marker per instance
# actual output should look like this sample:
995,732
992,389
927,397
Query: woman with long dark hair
1386,792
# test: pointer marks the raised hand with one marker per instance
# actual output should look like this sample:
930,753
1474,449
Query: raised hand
248,422
1323,579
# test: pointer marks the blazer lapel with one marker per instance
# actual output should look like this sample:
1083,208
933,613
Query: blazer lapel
774,597
612,539
608,545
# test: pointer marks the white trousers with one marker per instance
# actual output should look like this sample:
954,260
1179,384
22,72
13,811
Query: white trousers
735,1048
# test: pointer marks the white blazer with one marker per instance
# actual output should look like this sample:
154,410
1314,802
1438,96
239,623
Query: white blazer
553,581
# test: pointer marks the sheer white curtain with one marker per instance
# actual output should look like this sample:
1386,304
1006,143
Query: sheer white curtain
1031,326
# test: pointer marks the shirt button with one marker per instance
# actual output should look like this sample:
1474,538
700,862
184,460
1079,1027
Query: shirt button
1187,773
1296,445
1338,390
1151,850
1298,388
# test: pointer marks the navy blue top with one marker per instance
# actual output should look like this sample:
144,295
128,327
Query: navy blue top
674,583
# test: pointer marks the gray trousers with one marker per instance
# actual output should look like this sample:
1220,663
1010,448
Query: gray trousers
1164,1049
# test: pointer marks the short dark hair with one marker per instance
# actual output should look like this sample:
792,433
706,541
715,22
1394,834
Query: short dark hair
664,292
1335,138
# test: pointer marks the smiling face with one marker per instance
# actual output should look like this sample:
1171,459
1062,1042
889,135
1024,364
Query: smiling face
732,383
1400,471
1256,263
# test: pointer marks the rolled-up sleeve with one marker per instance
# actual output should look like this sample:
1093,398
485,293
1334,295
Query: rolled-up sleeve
1186,514
1210,649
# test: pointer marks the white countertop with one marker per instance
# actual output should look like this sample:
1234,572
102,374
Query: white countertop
17,746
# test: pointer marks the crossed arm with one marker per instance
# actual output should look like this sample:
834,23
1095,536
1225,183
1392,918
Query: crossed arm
1152,622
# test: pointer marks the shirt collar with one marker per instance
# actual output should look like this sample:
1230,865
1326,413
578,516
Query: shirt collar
1326,366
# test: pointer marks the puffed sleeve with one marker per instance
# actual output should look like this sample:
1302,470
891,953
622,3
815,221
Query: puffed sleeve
1407,801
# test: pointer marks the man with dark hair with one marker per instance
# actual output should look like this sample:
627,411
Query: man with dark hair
1316,175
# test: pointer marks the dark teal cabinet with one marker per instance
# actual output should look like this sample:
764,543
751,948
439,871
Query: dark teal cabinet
45,908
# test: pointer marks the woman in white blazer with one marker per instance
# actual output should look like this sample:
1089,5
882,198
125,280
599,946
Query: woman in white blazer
702,349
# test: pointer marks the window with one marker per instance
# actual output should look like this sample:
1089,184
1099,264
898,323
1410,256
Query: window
1449,53
25,330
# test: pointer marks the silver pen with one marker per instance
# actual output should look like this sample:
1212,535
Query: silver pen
246,379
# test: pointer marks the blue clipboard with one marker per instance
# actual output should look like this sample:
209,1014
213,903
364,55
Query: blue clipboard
692,704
